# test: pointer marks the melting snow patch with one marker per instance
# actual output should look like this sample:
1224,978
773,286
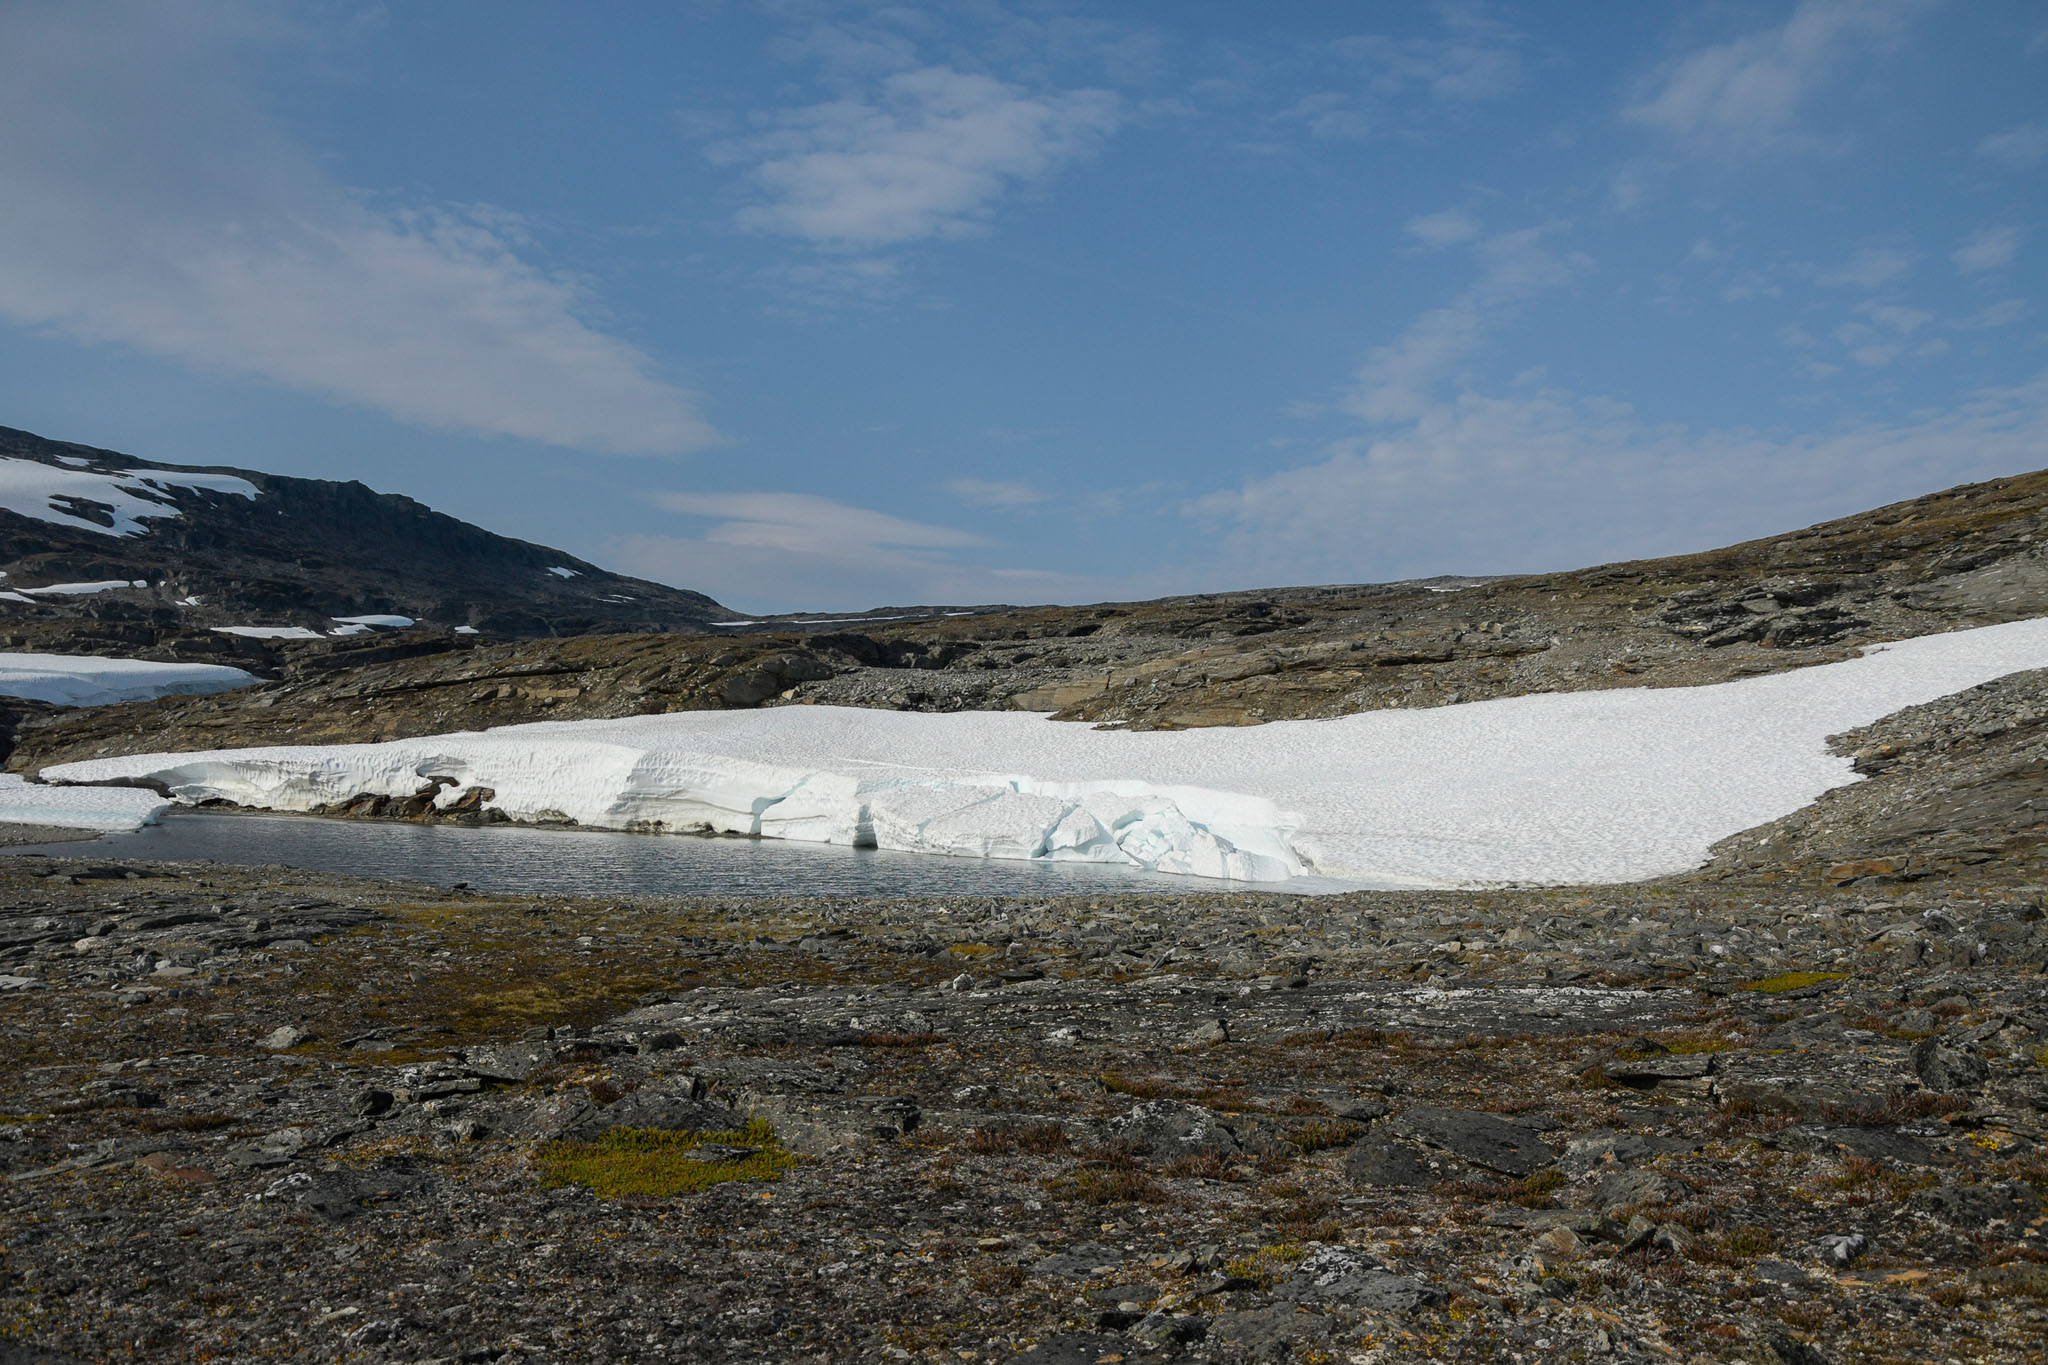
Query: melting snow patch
270,632
31,488
84,680
560,572
101,808
1572,787
465,630
394,622
86,589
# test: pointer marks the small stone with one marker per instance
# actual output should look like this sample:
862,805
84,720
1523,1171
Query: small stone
1942,1065
1843,1249
371,1103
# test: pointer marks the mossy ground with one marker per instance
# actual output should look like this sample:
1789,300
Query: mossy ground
650,1163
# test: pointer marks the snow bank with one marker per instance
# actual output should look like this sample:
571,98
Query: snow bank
102,808
83,680
85,589
394,622
270,632
1576,787
48,493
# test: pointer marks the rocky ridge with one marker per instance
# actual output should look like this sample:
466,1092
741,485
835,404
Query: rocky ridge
301,552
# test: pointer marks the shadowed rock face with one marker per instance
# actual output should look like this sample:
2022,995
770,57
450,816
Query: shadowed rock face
302,552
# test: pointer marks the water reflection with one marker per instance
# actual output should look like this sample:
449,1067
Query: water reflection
592,862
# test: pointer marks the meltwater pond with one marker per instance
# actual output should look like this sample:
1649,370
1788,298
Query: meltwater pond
597,862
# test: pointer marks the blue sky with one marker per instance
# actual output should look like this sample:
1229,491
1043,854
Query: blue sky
835,305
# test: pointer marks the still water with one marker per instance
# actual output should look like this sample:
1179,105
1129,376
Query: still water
594,862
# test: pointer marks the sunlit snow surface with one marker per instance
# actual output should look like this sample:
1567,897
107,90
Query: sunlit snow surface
85,680
1572,787
109,809
48,493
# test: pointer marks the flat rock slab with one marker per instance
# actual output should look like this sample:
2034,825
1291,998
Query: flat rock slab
1338,1277
1486,1140
1265,1334
1170,1128
1074,1348
1380,1162
1589,1151
1080,1261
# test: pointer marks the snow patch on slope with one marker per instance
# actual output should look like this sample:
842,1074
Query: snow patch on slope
269,632
1575,787
85,680
31,488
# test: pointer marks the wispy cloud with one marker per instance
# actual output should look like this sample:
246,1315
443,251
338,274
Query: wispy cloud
1986,249
990,493
153,203
1328,115
1451,227
1399,381
926,153
1747,93
2001,314
784,551
1868,267
1478,57
808,524
2023,146
1573,480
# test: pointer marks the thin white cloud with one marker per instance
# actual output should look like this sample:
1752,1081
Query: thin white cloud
1571,480
2023,146
994,493
2001,314
786,551
1328,115
1452,227
152,203
1397,382
1988,248
809,524
1478,58
1868,267
1747,93
927,155
1905,321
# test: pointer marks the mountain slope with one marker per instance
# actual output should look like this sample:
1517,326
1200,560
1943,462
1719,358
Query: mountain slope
95,536
1970,556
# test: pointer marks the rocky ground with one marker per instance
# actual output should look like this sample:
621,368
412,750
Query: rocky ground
1788,1109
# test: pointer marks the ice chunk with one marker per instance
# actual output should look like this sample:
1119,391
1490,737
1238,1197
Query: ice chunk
101,808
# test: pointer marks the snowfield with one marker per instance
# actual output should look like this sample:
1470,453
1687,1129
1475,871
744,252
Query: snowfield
1564,788
85,680
31,488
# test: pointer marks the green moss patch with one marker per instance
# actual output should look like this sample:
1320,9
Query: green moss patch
652,1163
1793,981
